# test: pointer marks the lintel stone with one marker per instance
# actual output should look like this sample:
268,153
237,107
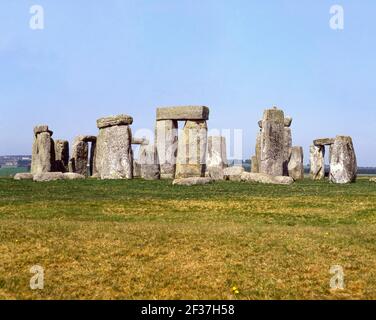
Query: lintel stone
183,113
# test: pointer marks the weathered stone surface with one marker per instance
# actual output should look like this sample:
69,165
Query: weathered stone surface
192,181
61,155
23,176
287,145
372,180
140,141
183,113
43,153
260,124
216,157
80,156
323,142
215,173
166,141
149,162
114,155
266,179
343,165
93,154
42,128
73,176
87,138
317,162
233,173
296,164
113,121
136,169
192,148
272,142
48,176
288,121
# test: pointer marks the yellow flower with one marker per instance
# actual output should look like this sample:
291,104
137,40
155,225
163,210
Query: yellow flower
237,292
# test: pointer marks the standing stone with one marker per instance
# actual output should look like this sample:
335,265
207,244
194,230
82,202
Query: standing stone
286,149
136,169
149,162
258,152
43,153
317,162
192,146
272,142
166,141
296,164
62,155
92,162
80,156
343,164
217,157
114,156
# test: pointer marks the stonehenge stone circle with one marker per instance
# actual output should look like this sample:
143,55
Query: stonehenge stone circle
317,162
266,178
272,142
192,181
296,164
216,157
192,148
43,151
114,155
149,163
343,164
62,155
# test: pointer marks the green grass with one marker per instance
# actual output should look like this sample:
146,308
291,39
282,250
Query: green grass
151,240
10,172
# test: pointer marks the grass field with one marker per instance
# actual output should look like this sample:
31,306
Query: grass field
151,240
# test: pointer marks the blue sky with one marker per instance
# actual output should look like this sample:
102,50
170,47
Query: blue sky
97,58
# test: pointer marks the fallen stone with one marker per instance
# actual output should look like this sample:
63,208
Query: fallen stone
111,121
48,176
323,142
192,181
343,164
73,176
233,173
266,179
23,176
372,180
183,113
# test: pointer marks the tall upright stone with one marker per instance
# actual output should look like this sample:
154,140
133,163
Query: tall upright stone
317,162
192,147
272,142
80,156
296,164
114,155
343,164
166,141
287,149
254,165
149,162
62,155
43,151
256,161
216,157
